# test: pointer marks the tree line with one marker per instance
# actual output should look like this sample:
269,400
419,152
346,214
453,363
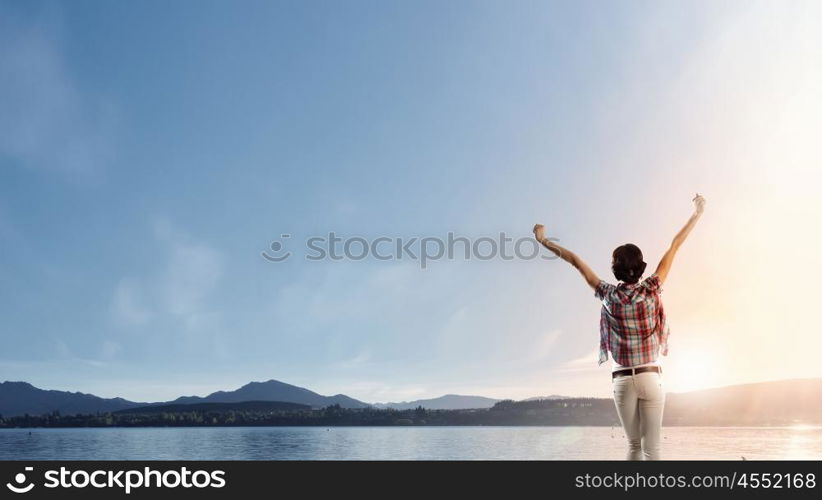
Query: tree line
576,411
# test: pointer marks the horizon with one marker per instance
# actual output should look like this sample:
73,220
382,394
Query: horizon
143,179
148,401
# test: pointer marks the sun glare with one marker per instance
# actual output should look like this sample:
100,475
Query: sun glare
691,369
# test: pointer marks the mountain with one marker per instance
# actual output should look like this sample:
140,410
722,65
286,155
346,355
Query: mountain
273,390
19,398
783,402
779,402
258,406
447,402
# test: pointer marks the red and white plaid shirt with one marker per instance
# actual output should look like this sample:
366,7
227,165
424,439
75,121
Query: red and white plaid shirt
632,323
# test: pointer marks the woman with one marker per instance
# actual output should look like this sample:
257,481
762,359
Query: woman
634,330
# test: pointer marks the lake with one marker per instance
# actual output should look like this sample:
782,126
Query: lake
393,443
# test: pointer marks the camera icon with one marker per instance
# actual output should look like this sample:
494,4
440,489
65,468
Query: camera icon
20,478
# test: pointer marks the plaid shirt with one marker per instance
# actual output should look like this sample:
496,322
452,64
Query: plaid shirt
632,324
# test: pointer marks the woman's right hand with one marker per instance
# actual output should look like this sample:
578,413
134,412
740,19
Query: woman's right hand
539,232
699,203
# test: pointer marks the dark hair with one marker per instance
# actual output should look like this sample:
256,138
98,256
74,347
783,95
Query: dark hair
627,263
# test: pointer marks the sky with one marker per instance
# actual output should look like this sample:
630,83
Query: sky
151,151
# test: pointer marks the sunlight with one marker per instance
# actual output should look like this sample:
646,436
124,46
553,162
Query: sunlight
797,447
692,368
803,427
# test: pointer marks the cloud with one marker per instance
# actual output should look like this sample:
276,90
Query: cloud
110,350
178,289
329,294
47,121
127,307
356,361
63,353
544,345
62,349
191,273
456,334
587,363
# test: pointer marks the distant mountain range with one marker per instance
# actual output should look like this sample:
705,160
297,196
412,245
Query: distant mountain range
19,398
217,407
447,402
797,400
749,404
274,390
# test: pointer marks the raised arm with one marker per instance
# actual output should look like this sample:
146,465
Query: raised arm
566,255
667,259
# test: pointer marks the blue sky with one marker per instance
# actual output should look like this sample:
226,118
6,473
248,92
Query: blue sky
149,151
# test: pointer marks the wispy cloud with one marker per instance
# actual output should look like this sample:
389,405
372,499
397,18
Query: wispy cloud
47,120
544,345
127,306
586,363
109,350
179,288
191,273
356,361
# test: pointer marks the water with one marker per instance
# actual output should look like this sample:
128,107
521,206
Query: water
392,443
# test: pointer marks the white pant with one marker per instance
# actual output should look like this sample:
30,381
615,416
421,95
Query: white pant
639,401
